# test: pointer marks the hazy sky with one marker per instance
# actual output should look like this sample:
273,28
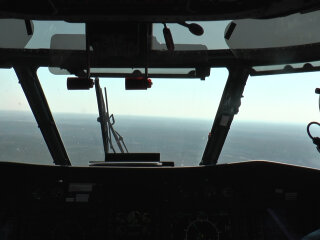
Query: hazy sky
285,98
279,98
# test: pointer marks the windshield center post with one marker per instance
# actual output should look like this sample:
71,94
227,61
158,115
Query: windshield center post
31,86
229,106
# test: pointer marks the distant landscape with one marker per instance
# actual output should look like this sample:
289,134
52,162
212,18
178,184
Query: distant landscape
178,140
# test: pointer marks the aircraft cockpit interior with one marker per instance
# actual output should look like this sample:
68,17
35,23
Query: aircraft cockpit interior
134,191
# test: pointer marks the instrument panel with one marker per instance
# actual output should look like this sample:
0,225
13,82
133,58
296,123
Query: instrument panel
254,200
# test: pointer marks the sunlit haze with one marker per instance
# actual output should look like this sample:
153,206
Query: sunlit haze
279,98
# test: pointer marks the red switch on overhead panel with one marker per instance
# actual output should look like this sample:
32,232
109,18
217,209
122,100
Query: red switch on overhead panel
138,83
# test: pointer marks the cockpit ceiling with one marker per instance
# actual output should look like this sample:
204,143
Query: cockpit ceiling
152,10
292,39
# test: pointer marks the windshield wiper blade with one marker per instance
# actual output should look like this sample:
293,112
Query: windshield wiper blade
119,139
107,129
102,116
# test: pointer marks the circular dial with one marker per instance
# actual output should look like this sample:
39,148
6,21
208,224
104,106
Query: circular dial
202,230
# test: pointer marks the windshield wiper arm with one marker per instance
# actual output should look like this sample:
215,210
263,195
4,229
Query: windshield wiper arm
107,129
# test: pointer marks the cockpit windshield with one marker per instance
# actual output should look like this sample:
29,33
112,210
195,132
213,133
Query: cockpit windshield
170,89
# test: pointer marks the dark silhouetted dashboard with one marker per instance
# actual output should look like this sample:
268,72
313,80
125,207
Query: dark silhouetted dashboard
252,200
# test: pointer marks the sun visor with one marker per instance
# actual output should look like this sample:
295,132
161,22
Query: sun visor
78,42
294,30
20,33
68,41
